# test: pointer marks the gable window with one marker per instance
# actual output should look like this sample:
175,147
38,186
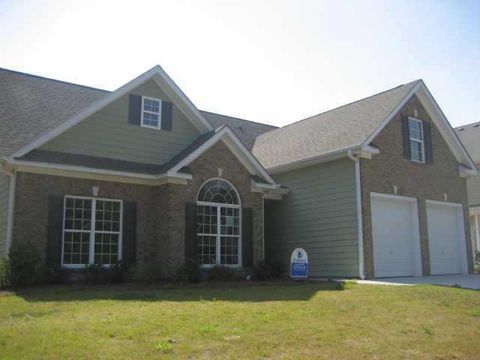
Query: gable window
91,231
218,224
415,134
151,112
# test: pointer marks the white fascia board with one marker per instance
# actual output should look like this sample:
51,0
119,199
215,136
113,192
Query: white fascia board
443,125
391,115
330,156
237,148
96,174
466,172
112,97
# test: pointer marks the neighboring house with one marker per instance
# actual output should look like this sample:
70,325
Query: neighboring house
470,136
375,188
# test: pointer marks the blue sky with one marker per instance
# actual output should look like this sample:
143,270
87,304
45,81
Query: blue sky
272,61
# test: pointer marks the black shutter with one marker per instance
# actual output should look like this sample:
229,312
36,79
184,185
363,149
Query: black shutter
134,109
54,231
427,139
247,237
167,111
129,247
190,231
406,138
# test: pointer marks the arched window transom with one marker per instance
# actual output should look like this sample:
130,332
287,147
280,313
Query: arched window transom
218,224
218,191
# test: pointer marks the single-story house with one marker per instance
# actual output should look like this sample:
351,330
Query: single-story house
374,188
470,137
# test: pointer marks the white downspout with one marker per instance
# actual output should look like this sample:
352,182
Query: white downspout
11,204
358,189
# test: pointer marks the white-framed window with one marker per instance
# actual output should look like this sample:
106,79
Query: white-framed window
415,135
92,231
218,224
151,112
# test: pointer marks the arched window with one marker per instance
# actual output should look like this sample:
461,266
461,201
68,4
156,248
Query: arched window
218,224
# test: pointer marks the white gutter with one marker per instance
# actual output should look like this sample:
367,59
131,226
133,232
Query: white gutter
11,205
358,189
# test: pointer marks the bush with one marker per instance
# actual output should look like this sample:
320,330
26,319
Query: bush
100,274
25,265
220,273
4,274
190,272
145,273
263,271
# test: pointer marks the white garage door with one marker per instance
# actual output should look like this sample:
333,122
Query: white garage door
446,238
396,245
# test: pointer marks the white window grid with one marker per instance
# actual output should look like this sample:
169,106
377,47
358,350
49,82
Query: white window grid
102,240
417,145
221,223
151,113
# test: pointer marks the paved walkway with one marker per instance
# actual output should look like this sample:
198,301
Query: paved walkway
464,281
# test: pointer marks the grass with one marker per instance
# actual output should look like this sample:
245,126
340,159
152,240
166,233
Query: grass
310,320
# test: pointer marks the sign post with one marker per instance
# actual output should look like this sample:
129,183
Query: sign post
299,264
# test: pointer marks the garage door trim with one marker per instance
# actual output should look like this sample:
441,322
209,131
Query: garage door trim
415,223
461,232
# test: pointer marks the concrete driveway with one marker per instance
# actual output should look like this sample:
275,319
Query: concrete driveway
464,281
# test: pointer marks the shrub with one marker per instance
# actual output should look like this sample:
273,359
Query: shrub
190,272
100,274
25,264
145,273
265,271
220,273
4,274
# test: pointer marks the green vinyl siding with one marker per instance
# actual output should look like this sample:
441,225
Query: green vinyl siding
108,134
318,214
473,189
4,197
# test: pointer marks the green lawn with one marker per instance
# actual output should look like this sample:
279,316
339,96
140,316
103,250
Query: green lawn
257,321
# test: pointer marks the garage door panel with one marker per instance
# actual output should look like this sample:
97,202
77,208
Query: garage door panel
395,236
445,238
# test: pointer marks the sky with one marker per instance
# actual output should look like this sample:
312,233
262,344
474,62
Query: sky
270,61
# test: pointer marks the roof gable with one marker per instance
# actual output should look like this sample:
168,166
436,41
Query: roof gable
158,75
470,137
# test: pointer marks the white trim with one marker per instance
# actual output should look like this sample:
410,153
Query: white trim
438,118
416,227
92,231
159,114
157,73
477,233
358,190
97,174
461,231
219,235
421,141
235,145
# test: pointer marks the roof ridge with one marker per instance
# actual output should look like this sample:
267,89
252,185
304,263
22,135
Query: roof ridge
341,106
466,125
237,118
50,79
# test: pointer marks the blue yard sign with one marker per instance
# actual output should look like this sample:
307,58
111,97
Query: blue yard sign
299,264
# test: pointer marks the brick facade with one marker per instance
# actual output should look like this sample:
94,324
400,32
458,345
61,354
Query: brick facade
160,209
424,182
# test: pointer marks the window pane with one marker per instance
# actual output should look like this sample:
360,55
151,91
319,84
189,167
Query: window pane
106,248
415,129
151,105
218,191
206,220
206,250
150,119
416,151
76,248
78,214
229,250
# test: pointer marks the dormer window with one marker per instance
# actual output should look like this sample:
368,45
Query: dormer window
151,112
415,134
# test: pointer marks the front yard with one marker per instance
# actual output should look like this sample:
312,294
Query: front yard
269,321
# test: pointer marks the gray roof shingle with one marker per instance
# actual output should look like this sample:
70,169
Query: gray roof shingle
341,128
31,106
470,137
